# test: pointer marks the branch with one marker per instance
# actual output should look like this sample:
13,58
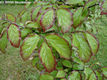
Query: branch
93,5
103,13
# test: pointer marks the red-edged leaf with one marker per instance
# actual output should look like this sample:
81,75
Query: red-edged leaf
93,42
25,32
90,3
104,72
35,13
47,57
79,41
38,65
3,42
30,24
25,16
64,17
73,1
79,16
67,63
14,35
75,75
41,12
21,13
86,43
60,45
104,7
61,74
46,77
29,45
47,19
42,3
10,17
87,72
90,74
93,76
3,27
99,75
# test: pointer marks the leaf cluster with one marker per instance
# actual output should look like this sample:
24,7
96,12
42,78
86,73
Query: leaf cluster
56,37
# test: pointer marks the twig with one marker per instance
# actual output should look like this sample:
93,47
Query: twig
93,5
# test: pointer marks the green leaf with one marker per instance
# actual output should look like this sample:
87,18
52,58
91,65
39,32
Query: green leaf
104,6
76,58
47,57
67,63
87,72
60,45
68,38
40,42
53,28
27,5
78,66
39,17
79,16
14,35
73,1
37,63
42,3
26,16
42,12
74,76
92,76
59,65
29,45
3,24
99,76
21,13
35,13
67,69
10,17
64,17
79,41
46,77
63,79
35,60
60,74
90,3
30,24
3,42
96,66
93,42
52,1
25,32
82,75
104,71
1,28
87,40
47,19
65,6
54,73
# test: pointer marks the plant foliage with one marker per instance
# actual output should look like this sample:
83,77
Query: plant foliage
55,37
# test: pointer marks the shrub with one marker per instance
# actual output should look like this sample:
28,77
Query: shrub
57,38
